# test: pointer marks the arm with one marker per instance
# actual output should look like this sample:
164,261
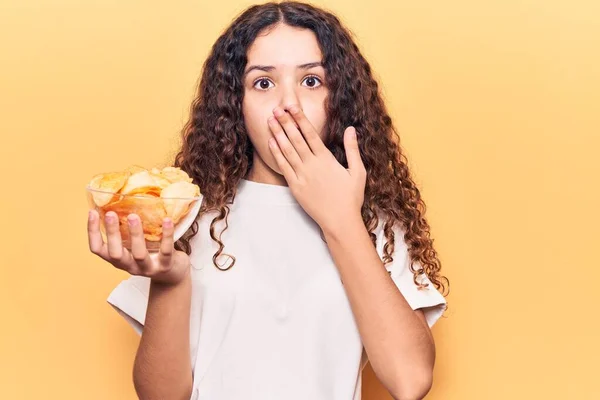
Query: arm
397,338
399,345
162,367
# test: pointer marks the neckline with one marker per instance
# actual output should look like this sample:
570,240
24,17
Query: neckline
263,193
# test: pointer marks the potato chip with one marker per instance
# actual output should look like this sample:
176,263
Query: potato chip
135,169
146,180
177,200
111,182
151,194
160,180
150,209
175,174
145,190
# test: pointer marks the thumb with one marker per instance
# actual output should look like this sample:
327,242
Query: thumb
352,150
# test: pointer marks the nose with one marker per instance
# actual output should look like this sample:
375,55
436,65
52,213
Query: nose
289,97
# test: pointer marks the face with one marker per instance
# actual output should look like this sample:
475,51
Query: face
283,69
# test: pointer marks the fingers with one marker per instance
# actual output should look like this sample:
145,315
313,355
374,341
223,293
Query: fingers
293,133
137,261
118,256
355,164
285,167
139,252
167,243
113,236
95,240
286,147
310,134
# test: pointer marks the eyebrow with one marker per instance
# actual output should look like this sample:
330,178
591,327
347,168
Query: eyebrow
269,68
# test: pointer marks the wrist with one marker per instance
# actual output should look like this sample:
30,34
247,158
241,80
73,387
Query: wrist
347,225
168,282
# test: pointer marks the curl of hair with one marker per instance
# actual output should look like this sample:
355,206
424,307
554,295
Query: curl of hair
217,153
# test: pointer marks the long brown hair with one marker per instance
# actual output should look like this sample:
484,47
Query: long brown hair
217,153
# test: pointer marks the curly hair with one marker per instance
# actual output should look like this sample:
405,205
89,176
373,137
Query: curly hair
217,153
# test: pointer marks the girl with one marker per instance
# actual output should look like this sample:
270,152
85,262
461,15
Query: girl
311,255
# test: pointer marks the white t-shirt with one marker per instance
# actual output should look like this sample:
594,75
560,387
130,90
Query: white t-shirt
278,324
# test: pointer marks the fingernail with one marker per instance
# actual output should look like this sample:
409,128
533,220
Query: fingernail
132,221
90,215
168,223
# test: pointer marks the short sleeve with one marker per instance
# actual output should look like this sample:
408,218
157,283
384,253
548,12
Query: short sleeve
429,299
130,299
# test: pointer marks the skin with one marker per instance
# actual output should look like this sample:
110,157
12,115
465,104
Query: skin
284,119
397,339
284,48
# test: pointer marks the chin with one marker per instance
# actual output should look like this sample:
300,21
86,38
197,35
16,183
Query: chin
272,164
276,169
269,163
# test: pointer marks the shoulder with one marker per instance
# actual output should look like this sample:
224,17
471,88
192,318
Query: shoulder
398,230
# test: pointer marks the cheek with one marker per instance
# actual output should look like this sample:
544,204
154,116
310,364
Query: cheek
259,133
255,119
256,111
316,116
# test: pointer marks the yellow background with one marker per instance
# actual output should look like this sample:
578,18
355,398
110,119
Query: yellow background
498,107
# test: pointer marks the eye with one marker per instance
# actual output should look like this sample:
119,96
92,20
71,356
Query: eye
262,81
313,79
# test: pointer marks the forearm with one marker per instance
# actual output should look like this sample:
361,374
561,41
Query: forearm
399,346
162,368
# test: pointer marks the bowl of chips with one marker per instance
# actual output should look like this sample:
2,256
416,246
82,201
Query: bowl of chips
152,194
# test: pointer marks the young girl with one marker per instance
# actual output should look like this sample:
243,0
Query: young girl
311,255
